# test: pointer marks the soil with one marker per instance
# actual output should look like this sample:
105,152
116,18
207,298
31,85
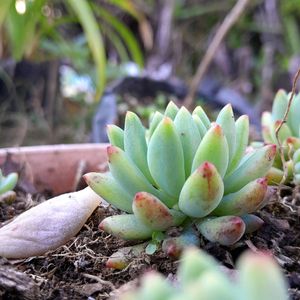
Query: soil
77,270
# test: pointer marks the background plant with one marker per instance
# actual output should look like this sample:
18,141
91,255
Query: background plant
288,136
183,168
200,277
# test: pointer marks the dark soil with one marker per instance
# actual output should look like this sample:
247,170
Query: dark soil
77,270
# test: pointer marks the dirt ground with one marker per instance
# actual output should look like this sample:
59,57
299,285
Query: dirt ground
77,270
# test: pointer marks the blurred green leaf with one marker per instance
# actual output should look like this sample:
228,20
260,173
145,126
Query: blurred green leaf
124,32
4,8
94,38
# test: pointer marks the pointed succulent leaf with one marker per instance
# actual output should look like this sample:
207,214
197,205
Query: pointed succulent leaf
194,263
115,136
267,127
120,260
256,165
173,246
165,158
213,148
244,201
153,213
293,144
189,136
135,145
296,156
156,119
252,222
242,137
106,187
202,192
225,230
171,110
274,176
283,133
261,278
126,173
126,227
8,182
202,115
226,120
212,285
155,287
201,128
293,116
279,105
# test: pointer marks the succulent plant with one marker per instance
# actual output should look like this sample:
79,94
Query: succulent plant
199,277
8,183
288,136
183,170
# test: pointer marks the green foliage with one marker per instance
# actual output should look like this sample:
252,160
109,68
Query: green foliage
32,29
201,278
183,168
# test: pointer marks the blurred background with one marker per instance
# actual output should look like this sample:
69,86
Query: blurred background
69,67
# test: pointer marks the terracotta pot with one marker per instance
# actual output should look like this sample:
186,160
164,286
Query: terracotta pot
58,168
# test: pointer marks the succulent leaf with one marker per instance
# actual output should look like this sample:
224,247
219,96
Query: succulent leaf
226,120
106,186
171,110
255,166
225,230
7,183
244,201
293,116
279,105
202,191
129,176
135,145
165,158
155,287
156,119
194,263
189,136
252,222
212,285
115,136
242,137
121,259
203,116
260,278
126,227
213,148
201,128
153,213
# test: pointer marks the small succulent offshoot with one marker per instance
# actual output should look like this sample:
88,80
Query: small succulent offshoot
199,277
288,136
7,184
187,171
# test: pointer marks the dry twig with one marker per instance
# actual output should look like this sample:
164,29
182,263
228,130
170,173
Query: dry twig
228,22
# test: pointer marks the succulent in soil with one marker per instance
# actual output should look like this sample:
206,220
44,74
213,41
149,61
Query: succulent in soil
288,137
183,170
200,277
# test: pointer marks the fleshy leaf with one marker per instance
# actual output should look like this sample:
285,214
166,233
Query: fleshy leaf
165,158
202,192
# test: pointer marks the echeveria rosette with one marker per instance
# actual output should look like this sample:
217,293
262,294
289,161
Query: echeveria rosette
288,135
183,170
200,277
